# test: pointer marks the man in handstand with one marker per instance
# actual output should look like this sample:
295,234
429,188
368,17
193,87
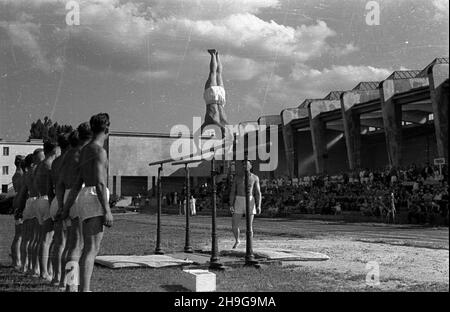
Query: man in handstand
214,95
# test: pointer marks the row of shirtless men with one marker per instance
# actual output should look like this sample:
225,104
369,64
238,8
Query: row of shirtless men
62,206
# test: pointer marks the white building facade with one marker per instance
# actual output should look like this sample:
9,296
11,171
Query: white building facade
8,152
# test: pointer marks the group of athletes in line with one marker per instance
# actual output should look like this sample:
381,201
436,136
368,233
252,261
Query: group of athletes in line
62,206
62,201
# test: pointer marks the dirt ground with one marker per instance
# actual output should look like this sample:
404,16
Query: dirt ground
409,258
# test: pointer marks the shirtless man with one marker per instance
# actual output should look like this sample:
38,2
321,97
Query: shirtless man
38,156
237,199
17,179
60,233
214,95
70,168
42,204
93,202
26,208
22,211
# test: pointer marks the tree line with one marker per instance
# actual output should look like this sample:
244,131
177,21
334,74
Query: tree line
47,129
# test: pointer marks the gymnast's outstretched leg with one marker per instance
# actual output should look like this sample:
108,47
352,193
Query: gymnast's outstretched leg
212,77
219,70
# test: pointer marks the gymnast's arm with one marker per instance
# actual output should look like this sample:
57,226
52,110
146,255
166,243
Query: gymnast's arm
72,196
50,189
60,189
100,186
258,195
19,203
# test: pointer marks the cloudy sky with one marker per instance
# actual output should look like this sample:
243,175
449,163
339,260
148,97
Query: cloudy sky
145,61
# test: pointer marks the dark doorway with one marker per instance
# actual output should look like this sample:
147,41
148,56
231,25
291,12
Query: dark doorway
132,186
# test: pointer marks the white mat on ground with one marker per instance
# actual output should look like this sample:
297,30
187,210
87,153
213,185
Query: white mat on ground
279,254
150,261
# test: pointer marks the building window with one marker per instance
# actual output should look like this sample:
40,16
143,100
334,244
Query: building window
4,188
5,170
6,151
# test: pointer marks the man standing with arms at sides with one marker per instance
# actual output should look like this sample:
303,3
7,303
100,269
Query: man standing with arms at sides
45,196
63,184
93,201
23,211
237,199
17,179
33,248
25,203
69,175
59,236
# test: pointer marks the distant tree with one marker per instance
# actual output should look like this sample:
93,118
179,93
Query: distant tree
47,130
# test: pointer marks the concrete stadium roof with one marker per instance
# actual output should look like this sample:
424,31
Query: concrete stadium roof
403,74
415,102
366,86
439,60
334,95
306,102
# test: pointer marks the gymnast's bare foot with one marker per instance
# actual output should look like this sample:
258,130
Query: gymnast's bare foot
46,277
236,245
212,51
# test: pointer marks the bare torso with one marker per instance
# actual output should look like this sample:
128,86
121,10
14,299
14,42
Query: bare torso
41,177
56,169
88,162
240,184
17,180
70,167
28,181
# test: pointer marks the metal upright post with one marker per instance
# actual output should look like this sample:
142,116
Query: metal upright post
187,247
158,250
214,263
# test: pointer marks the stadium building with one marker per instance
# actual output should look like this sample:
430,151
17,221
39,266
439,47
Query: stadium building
395,122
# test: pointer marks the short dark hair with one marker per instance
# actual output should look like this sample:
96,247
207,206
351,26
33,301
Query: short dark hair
37,151
84,131
49,147
99,123
74,138
19,160
63,140
29,159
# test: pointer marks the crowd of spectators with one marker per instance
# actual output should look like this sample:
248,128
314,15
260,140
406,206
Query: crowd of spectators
420,193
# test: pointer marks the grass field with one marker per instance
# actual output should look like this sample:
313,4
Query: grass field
406,264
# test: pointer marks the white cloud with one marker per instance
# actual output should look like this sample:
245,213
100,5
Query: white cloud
247,34
317,83
341,51
344,74
122,34
237,68
207,9
273,92
25,35
442,9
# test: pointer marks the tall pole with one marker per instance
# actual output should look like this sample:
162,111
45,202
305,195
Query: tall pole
158,250
187,246
249,257
214,263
